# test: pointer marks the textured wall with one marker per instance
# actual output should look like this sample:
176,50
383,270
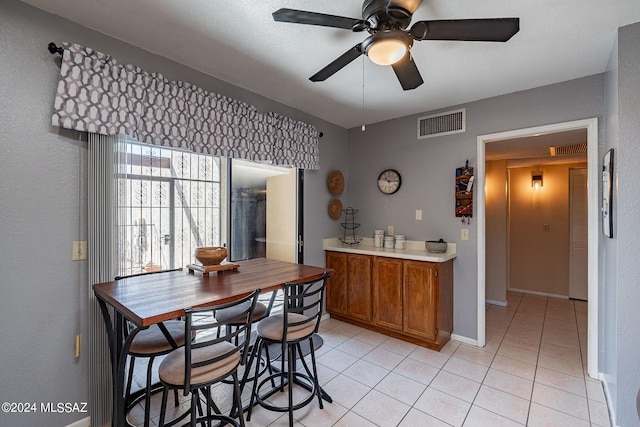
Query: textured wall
428,170
628,210
539,260
43,292
608,276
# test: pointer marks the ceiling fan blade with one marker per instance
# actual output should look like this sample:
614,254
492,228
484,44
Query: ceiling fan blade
477,30
407,72
313,18
337,64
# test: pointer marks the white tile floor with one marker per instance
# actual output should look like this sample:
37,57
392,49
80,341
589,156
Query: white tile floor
531,372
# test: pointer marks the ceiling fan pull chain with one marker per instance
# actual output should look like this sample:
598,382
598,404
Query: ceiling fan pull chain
363,126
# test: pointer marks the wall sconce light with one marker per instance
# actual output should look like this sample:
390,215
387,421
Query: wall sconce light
536,180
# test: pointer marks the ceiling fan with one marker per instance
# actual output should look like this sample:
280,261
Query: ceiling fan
390,39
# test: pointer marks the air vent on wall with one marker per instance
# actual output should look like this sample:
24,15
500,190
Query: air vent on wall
567,150
441,124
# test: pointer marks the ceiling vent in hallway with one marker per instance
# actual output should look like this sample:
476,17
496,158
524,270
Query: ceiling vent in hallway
441,124
568,150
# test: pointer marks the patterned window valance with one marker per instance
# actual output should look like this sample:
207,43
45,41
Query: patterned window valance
96,94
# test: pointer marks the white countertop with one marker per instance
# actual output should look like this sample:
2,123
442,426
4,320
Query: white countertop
414,250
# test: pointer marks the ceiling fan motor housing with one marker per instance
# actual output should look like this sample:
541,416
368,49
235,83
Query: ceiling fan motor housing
383,14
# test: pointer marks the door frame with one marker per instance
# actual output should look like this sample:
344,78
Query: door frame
593,176
572,264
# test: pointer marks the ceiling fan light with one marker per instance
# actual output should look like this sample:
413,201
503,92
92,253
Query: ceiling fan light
387,51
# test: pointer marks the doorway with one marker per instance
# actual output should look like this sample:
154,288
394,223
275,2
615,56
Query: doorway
264,204
591,125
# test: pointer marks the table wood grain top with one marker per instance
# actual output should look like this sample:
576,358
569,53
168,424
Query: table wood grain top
153,298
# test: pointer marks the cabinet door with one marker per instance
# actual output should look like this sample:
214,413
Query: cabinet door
387,293
420,299
337,283
359,284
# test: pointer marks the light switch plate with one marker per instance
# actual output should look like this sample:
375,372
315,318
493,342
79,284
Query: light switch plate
390,230
419,215
464,234
79,250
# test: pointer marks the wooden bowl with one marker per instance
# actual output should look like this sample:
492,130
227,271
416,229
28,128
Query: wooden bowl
212,255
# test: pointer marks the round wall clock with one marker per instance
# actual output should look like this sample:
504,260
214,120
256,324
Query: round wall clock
389,181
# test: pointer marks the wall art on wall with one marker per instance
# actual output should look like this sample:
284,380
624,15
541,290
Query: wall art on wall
607,194
464,192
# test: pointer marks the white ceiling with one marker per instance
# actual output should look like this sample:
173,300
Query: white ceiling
239,42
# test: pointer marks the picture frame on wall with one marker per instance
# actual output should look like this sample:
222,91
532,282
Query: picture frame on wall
607,194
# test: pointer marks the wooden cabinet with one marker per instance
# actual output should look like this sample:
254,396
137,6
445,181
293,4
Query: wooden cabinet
420,298
388,292
359,286
406,299
349,288
337,283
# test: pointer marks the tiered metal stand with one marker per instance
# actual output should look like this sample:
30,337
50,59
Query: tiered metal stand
350,226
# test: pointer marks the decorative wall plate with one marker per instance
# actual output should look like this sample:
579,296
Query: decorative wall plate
335,209
335,182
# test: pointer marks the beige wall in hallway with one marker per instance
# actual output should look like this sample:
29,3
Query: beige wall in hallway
539,230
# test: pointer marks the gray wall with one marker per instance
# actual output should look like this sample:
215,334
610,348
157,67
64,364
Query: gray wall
620,289
428,170
608,249
43,292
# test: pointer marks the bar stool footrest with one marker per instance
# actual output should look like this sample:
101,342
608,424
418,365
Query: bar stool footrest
304,380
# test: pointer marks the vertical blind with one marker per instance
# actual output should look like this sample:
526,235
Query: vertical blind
102,265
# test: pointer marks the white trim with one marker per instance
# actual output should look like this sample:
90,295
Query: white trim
542,294
591,125
85,422
500,303
607,395
464,340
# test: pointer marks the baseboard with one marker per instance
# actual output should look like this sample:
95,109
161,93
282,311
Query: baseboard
492,302
542,294
464,340
607,395
85,422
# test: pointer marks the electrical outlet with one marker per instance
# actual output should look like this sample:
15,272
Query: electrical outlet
419,215
464,234
390,230
79,250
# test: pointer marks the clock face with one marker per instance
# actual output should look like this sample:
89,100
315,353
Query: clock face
389,181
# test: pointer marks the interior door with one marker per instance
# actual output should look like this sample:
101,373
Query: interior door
282,229
578,255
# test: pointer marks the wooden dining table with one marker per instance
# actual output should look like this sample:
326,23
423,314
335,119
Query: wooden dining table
151,299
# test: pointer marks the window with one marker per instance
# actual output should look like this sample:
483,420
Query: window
168,205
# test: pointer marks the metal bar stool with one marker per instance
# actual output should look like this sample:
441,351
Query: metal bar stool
208,358
156,340
299,321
